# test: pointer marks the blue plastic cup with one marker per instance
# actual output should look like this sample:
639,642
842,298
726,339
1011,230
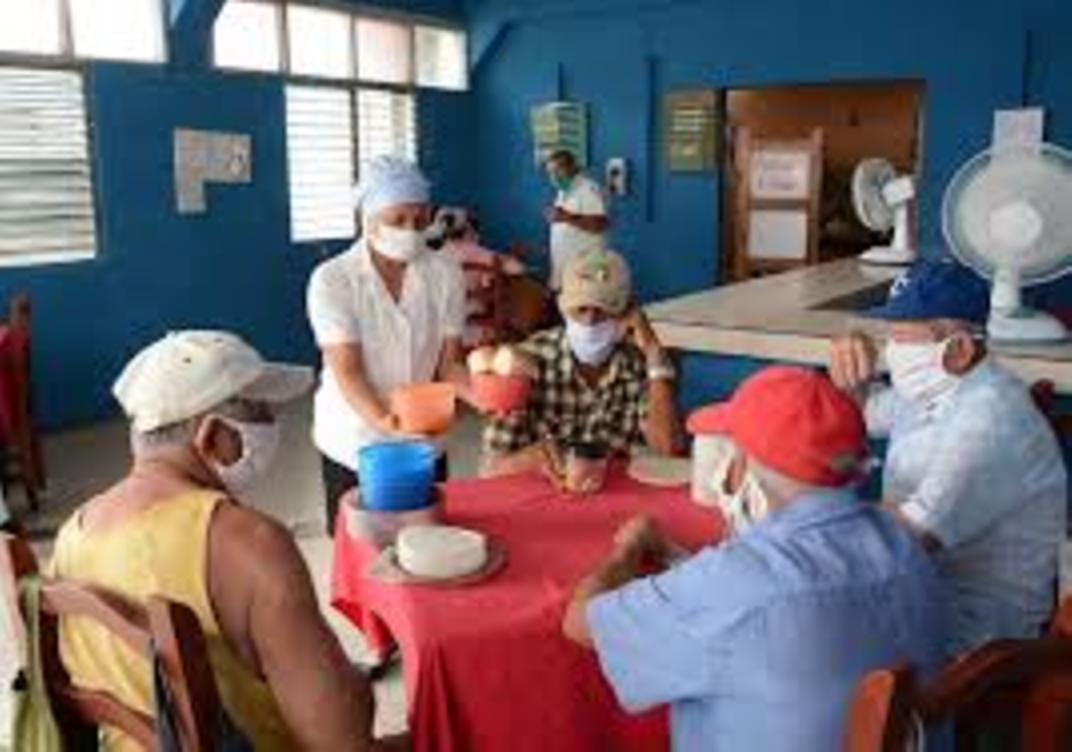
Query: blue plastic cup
397,477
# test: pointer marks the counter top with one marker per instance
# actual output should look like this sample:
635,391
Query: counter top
793,316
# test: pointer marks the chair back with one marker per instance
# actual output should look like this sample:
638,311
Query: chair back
169,629
16,388
1025,683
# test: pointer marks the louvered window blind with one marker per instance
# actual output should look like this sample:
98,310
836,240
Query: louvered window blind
321,145
386,124
46,190
320,158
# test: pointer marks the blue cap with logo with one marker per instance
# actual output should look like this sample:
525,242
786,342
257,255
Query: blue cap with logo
931,290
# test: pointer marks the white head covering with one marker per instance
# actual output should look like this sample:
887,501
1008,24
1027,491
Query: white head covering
389,181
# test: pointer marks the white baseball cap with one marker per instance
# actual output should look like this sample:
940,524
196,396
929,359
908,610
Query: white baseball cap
187,373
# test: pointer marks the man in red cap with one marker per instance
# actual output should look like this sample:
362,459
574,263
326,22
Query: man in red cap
758,643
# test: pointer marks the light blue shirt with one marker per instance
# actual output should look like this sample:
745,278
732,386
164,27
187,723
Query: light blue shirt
982,473
759,643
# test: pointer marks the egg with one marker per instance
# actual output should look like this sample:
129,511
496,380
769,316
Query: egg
481,360
511,362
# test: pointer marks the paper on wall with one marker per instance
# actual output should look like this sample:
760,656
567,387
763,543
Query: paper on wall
1019,128
778,234
204,156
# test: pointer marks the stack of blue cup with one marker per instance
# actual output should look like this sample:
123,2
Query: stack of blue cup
397,477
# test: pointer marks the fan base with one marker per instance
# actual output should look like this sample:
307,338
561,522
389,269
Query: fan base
889,256
1025,325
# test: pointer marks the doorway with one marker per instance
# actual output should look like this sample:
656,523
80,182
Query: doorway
850,122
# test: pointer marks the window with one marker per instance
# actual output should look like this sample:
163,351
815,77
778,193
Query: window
31,26
247,36
46,192
116,29
441,58
321,145
386,125
330,43
120,29
320,161
384,51
320,42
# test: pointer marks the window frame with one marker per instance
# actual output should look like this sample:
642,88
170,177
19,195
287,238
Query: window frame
67,55
51,258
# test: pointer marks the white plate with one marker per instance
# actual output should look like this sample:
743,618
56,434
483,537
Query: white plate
387,569
665,472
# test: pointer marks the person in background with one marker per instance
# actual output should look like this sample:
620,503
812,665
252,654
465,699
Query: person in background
459,237
386,314
578,217
973,468
603,379
759,643
203,430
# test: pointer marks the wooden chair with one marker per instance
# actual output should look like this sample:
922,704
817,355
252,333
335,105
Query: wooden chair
1045,395
24,458
1027,683
172,629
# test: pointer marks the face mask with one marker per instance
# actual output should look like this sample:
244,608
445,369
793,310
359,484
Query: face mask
592,344
561,183
918,373
399,244
744,508
259,444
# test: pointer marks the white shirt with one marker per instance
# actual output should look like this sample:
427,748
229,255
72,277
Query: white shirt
583,197
983,474
400,342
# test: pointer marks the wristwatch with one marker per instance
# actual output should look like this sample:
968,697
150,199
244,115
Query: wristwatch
662,371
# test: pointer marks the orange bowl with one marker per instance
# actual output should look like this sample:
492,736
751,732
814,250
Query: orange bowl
501,394
426,409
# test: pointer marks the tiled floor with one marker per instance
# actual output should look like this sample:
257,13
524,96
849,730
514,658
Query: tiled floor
81,462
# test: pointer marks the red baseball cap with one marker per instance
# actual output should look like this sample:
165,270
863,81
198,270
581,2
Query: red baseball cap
794,421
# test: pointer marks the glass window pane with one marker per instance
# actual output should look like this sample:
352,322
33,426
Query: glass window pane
384,51
118,29
246,36
320,43
441,58
30,26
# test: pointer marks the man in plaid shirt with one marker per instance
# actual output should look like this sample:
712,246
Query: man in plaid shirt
603,379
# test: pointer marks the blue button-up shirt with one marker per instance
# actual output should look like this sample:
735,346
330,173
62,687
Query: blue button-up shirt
758,644
981,472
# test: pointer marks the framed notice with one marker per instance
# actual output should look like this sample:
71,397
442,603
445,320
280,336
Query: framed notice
690,130
560,126
781,175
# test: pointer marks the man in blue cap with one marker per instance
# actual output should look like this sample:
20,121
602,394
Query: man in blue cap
973,468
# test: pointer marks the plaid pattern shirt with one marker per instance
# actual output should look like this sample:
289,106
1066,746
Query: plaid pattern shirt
563,407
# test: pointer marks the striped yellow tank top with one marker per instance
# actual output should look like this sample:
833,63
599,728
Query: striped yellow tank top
162,550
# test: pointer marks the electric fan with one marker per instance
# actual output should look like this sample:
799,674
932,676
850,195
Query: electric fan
1007,214
882,199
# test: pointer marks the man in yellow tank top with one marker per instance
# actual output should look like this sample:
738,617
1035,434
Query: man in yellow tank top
202,430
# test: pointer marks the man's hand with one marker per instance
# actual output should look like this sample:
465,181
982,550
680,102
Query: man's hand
639,539
552,463
637,328
853,361
555,214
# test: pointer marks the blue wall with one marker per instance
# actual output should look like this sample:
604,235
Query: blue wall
232,268
621,57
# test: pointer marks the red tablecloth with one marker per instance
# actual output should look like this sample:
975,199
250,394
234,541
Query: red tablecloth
486,666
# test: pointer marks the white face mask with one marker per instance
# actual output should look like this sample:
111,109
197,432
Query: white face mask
399,244
917,370
592,343
259,444
744,508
